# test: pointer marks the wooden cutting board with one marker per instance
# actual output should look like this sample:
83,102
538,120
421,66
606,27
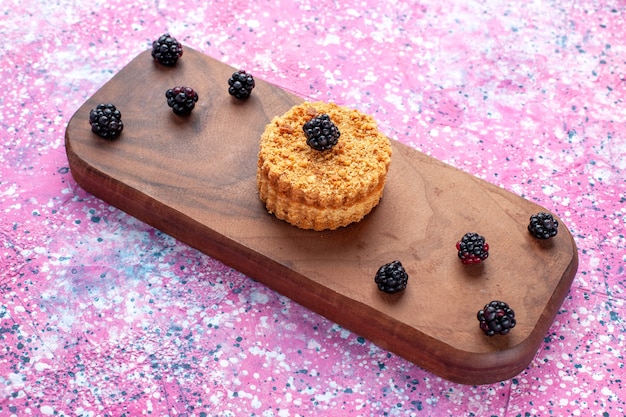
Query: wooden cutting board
194,178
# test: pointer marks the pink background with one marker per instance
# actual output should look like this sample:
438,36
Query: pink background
102,315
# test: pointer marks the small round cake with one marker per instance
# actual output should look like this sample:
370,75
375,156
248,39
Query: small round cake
328,189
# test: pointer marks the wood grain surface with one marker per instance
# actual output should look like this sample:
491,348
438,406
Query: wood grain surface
194,178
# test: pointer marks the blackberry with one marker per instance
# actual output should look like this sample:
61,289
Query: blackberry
321,133
391,277
240,85
496,318
543,226
106,121
166,50
472,248
181,99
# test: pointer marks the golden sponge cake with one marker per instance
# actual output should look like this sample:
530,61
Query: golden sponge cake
322,190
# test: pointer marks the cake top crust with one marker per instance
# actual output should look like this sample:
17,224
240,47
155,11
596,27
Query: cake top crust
342,175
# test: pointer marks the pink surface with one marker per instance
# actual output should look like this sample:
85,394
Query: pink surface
102,315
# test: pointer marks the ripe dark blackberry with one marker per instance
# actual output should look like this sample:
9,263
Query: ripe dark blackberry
472,248
106,121
181,99
391,277
496,318
166,50
321,133
543,226
240,84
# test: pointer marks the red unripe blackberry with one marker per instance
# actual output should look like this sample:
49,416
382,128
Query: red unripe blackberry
543,226
321,133
240,84
181,99
166,50
391,277
496,318
472,248
106,121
